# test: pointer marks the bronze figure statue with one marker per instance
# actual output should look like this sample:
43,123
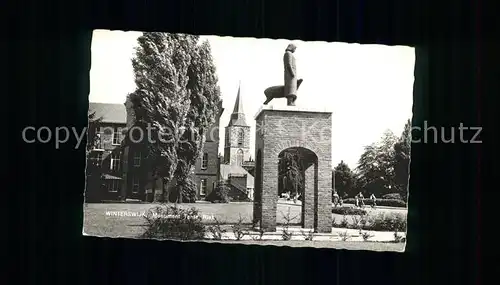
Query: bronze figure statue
292,84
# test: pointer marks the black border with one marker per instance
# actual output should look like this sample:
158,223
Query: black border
50,59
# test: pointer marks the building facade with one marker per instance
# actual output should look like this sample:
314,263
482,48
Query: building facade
206,170
107,153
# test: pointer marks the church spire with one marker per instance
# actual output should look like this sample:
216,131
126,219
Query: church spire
238,115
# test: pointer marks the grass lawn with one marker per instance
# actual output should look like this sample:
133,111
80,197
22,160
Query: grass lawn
97,223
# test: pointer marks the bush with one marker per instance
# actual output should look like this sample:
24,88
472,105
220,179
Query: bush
346,210
286,234
385,221
172,222
219,194
393,196
217,230
366,236
345,236
238,229
380,202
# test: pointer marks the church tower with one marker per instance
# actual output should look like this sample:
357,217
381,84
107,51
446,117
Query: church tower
237,141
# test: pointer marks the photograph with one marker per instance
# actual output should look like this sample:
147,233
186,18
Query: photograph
282,142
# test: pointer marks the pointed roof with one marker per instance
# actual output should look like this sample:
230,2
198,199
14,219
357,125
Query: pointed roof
238,115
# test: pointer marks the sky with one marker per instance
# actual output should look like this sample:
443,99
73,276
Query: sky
368,88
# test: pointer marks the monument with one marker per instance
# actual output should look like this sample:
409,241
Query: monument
302,130
292,84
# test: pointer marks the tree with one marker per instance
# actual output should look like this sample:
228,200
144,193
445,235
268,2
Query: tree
344,181
291,171
177,97
402,149
375,171
204,97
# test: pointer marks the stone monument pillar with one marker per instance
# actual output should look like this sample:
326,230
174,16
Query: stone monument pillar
307,131
304,131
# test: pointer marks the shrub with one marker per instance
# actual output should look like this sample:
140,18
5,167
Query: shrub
380,202
366,236
386,221
219,194
216,230
344,223
286,234
345,236
383,221
346,210
359,221
237,228
259,237
172,222
308,235
398,238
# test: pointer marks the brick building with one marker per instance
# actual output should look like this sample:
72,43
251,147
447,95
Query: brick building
124,173
107,152
206,170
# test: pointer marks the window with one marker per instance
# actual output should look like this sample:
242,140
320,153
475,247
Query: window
115,162
116,136
98,159
114,185
135,185
97,142
241,137
204,161
239,157
137,159
203,187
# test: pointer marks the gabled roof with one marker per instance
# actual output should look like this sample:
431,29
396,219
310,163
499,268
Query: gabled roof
226,170
110,113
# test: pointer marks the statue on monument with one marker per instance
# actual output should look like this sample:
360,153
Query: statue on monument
292,84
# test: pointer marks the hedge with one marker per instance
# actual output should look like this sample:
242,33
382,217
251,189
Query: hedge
396,196
347,210
380,202
383,221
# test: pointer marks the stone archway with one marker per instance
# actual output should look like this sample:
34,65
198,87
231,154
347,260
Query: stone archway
309,131
306,181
